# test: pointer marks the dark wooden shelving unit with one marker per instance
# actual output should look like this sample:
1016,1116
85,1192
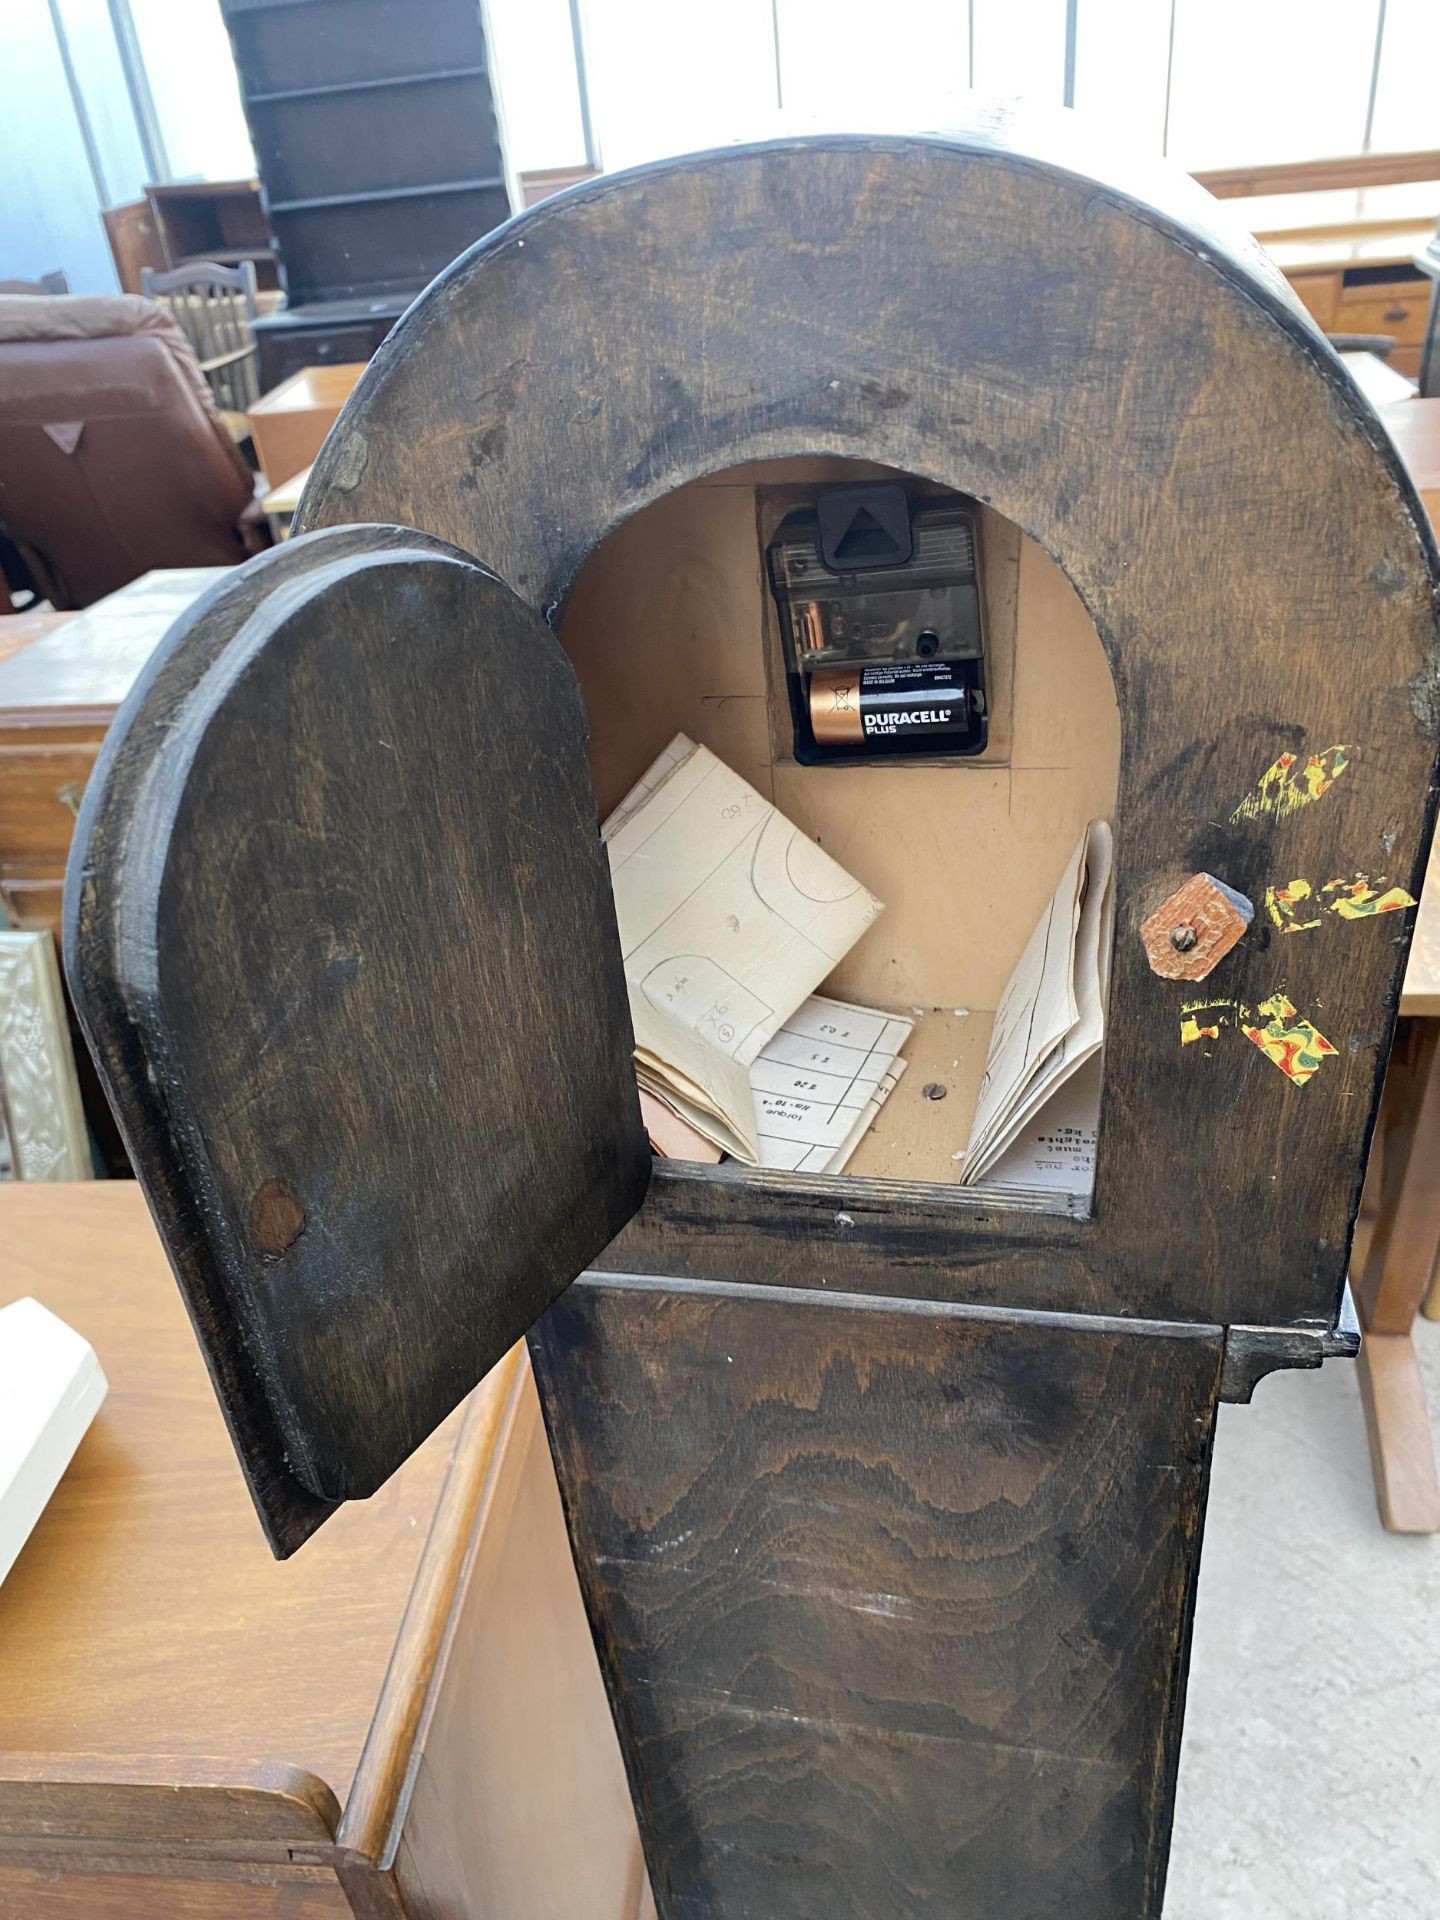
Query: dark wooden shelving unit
379,153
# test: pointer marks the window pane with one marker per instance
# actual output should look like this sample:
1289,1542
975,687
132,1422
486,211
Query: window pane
191,71
51,205
1266,80
845,64
1020,49
1407,112
101,79
666,78
1122,54
534,72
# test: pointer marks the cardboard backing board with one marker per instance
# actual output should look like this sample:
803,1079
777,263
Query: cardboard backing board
671,627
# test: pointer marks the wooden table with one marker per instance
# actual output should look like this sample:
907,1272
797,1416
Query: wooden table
407,1712
21,630
1398,1237
282,502
1414,426
59,689
289,424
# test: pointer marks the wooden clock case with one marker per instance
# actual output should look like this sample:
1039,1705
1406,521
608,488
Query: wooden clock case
886,1495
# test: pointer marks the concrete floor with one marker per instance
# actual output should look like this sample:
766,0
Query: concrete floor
1310,1780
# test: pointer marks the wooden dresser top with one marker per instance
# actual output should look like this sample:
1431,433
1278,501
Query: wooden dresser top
145,1614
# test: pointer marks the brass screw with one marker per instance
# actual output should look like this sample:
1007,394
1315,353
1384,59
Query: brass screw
1183,938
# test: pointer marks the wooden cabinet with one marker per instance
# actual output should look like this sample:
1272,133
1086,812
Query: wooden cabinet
1319,294
388,1730
379,150
1346,233
886,1494
59,692
1392,300
323,333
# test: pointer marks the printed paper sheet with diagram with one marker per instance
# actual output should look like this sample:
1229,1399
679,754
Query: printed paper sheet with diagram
729,918
1051,1019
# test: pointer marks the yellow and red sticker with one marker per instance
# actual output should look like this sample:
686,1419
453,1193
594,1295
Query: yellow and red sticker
1297,1047
1277,1027
1294,781
1297,906
1357,899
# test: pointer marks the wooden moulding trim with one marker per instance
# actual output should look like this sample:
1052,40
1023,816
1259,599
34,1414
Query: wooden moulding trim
1318,176
374,1814
192,1807
1253,1352
1344,232
759,1291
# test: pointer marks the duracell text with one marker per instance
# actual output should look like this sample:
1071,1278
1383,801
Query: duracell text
852,705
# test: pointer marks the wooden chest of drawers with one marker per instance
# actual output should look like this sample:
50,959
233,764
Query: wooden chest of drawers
62,678
407,1720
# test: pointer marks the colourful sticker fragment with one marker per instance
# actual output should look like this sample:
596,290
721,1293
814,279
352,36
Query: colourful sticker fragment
1359,899
1216,1014
1294,781
1283,905
1294,1045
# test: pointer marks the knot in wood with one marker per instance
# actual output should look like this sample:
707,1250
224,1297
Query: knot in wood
277,1219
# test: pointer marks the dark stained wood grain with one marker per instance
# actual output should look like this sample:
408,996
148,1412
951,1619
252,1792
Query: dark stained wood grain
346,955
1092,358
886,1498
891,1600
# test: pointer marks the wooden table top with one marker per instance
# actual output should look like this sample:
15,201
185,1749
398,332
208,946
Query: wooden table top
1344,246
145,1614
76,666
20,630
1414,425
284,499
312,388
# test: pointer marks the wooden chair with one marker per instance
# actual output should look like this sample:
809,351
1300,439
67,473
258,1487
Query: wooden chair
215,308
47,283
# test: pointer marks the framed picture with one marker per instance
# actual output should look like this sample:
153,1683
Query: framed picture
39,1091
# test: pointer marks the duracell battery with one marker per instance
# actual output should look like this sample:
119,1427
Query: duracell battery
859,706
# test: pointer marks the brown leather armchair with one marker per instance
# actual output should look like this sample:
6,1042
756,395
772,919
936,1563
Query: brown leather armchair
113,458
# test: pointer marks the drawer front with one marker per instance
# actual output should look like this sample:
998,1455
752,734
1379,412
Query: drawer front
286,351
40,789
1400,311
336,349
1319,294
1406,360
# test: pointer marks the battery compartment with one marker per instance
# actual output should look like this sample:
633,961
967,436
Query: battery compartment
878,593
672,627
